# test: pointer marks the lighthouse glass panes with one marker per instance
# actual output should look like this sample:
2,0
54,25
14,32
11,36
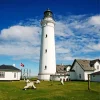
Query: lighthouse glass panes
48,13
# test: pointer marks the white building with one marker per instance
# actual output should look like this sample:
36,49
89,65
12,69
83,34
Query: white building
9,72
95,76
62,73
81,68
47,64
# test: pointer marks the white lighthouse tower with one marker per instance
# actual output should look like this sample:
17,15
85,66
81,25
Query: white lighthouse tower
47,64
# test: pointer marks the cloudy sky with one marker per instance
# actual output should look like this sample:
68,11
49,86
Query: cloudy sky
77,31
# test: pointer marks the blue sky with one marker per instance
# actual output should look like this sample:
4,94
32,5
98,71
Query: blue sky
77,31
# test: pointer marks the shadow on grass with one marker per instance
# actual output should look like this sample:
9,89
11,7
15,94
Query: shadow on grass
60,84
29,89
53,98
41,99
87,91
93,91
53,84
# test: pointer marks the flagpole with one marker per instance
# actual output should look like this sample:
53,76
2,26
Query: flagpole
21,74
22,71
27,72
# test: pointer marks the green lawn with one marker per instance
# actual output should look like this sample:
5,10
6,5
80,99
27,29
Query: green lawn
49,91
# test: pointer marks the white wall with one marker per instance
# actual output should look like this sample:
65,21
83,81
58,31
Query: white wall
59,77
44,77
47,58
86,74
68,68
73,76
95,66
95,78
10,76
78,71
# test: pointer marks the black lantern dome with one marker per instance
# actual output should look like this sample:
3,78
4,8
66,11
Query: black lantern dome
48,13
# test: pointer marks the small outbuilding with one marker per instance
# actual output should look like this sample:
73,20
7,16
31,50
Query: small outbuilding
62,73
95,76
9,72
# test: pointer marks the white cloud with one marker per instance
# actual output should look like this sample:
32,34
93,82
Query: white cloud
21,42
94,47
22,33
61,29
62,50
95,20
84,36
75,35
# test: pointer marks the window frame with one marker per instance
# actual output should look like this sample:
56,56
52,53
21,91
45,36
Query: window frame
2,74
97,66
45,50
14,75
45,67
80,76
93,75
46,36
65,69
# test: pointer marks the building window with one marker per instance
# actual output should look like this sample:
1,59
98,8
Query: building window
97,66
2,74
46,36
45,67
14,75
79,75
45,50
58,76
93,75
64,69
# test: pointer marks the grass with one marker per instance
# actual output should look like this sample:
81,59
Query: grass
73,90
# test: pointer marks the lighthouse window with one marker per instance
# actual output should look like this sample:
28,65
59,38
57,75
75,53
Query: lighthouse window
64,69
46,36
45,67
45,50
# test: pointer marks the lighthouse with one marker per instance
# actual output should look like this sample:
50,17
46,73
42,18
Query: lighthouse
47,65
